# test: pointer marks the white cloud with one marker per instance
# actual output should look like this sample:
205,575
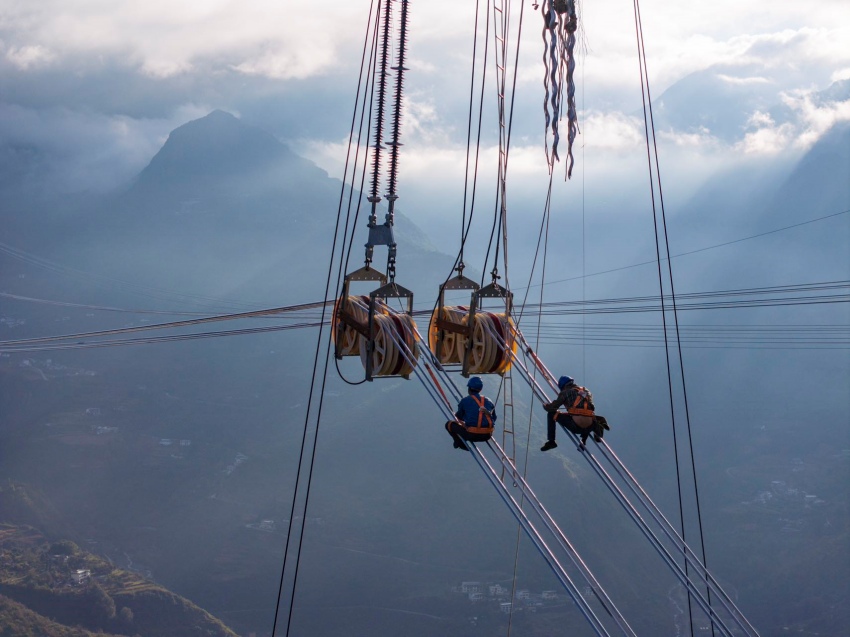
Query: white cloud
611,131
743,80
760,120
767,140
815,119
811,121
265,36
29,56
89,151
701,139
258,37
840,74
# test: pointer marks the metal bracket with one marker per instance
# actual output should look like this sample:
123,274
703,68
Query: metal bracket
492,291
390,290
365,273
458,282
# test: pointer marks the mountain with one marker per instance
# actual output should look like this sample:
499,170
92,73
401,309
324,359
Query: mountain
177,460
721,101
46,588
224,206
812,185
716,99
217,154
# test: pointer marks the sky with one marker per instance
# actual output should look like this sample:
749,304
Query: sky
97,85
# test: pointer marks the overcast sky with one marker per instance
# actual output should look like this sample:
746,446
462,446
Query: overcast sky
98,84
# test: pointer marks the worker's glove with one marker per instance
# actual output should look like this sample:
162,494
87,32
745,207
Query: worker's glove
602,422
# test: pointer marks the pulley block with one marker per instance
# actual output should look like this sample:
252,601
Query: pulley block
492,339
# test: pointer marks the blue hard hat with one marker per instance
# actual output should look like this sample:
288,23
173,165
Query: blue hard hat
475,384
563,381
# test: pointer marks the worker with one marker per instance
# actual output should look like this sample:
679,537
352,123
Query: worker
579,417
475,416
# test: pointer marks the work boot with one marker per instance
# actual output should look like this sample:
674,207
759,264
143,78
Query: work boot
597,437
550,444
459,445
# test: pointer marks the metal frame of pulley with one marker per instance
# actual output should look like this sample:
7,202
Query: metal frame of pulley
492,291
345,317
391,290
458,282
368,331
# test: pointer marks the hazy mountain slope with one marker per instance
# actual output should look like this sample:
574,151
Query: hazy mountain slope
16,620
224,206
40,577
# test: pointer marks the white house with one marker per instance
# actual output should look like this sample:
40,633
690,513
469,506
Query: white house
80,575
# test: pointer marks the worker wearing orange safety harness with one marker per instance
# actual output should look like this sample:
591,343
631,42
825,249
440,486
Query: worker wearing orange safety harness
579,417
475,416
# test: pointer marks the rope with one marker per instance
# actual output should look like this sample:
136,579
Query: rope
544,225
650,126
289,534
168,325
102,308
635,487
826,335
433,389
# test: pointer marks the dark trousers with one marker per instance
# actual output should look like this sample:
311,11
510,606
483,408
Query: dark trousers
560,418
458,432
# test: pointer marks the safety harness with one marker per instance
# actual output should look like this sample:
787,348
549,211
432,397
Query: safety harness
583,404
483,413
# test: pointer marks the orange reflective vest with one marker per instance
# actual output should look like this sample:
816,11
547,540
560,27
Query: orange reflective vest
484,418
583,403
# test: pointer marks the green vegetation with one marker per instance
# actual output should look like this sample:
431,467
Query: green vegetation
59,581
16,620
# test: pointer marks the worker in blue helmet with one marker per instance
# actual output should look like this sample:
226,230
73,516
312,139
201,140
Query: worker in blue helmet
475,416
579,416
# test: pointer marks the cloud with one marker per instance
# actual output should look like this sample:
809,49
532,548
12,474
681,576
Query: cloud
815,118
166,39
840,74
292,69
76,152
767,139
611,131
743,80
812,118
29,56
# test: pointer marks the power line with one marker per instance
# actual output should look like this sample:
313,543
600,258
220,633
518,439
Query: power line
821,293
143,290
706,248
169,325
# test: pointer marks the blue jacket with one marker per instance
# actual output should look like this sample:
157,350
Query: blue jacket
467,410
